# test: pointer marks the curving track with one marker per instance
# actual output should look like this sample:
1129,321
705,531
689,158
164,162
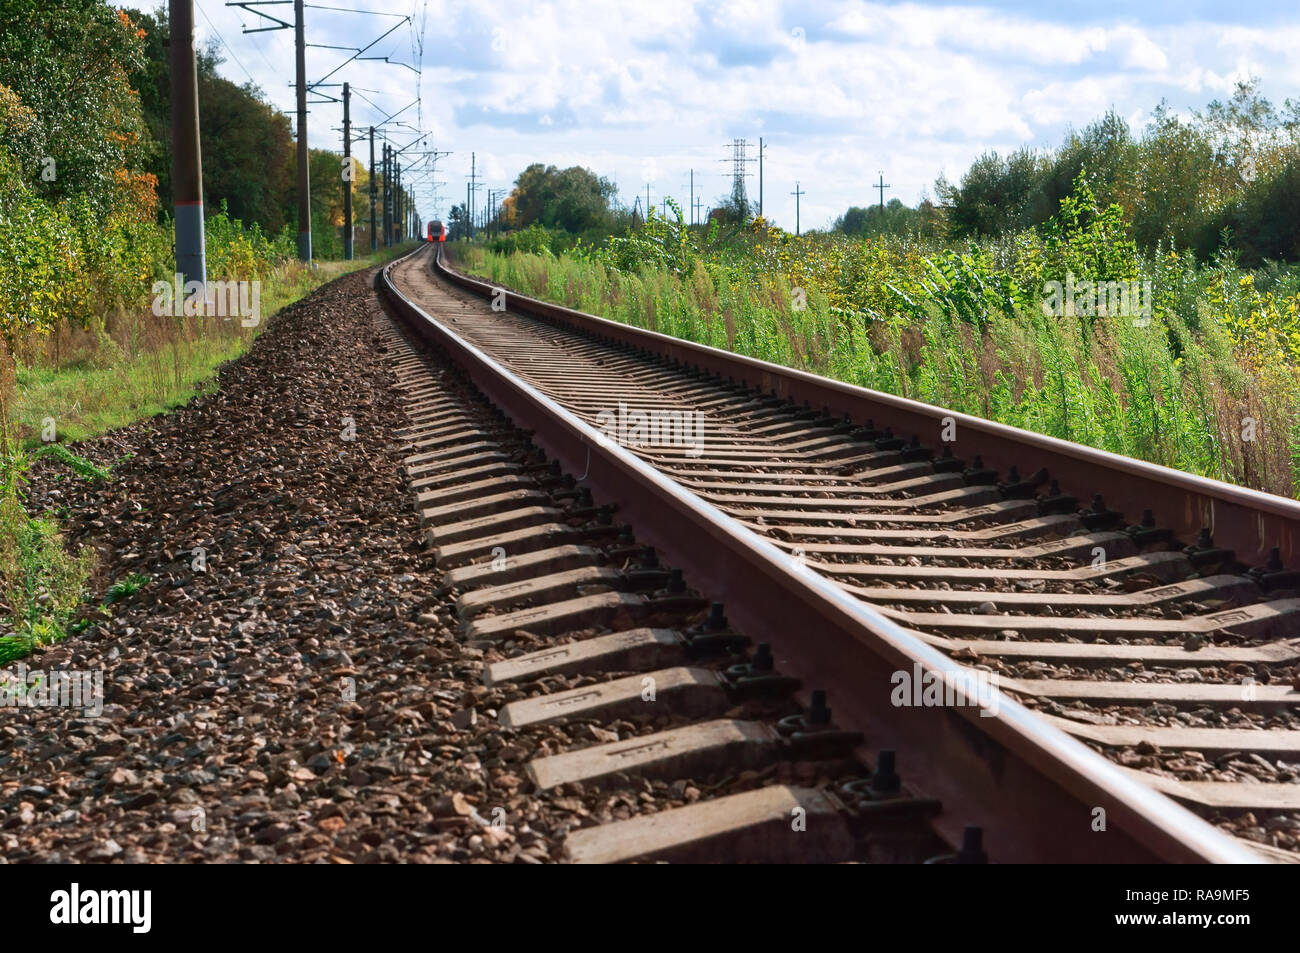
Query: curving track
1140,624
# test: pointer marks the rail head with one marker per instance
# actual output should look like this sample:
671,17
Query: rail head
988,751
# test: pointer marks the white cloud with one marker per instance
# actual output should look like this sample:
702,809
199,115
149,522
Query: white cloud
838,88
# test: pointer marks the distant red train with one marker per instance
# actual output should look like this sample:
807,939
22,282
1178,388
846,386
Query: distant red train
437,232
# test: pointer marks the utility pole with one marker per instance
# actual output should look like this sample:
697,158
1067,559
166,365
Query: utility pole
796,193
699,204
692,196
388,191
300,71
304,184
374,236
882,186
399,214
348,172
187,160
760,176
473,187
390,197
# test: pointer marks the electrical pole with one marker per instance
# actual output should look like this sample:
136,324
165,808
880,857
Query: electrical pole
692,196
304,184
882,186
472,187
760,177
187,160
398,209
796,193
388,189
347,173
300,71
374,237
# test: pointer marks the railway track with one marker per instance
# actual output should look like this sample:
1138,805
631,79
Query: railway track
1079,656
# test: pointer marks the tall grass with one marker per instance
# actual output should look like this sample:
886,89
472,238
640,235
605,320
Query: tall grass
129,364
1210,384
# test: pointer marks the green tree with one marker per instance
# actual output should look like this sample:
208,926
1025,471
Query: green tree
70,62
1175,160
894,218
994,195
248,151
574,199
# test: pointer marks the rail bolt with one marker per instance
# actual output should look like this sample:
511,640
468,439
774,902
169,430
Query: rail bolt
885,779
972,846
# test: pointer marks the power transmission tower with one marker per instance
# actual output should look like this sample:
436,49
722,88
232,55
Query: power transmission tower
739,160
796,193
882,186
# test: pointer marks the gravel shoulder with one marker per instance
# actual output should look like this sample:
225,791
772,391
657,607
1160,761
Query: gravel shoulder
269,694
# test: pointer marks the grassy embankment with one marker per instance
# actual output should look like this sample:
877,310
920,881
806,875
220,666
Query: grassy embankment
1206,380
135,365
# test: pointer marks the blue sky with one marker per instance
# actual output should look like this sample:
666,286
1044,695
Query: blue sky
643,92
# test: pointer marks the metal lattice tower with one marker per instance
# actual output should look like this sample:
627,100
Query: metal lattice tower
738,161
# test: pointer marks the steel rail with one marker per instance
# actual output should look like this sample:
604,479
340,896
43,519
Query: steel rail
993,762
